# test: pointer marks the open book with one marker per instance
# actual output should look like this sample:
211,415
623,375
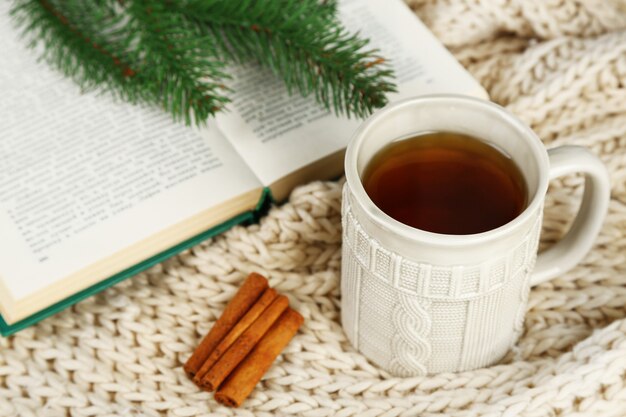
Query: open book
93,190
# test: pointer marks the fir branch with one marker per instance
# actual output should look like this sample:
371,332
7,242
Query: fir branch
303,43
135,50
178,58
172,53
71,44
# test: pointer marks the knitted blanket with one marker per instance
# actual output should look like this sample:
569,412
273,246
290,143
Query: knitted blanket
561,66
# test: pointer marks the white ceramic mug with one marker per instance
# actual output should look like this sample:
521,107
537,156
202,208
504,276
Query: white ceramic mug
416,302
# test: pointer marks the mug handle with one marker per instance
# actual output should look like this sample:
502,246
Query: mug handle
595,202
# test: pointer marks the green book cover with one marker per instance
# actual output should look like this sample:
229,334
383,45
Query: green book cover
243,218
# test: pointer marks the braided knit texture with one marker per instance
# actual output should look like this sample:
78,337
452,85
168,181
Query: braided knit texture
561,66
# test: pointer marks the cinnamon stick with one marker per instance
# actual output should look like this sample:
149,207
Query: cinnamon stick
243,345
245,297
249,372
246,321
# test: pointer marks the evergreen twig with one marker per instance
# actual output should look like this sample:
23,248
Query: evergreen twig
304,44
176,59
72,44
174,52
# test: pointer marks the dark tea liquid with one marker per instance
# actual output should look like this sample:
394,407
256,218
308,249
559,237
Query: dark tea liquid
447,183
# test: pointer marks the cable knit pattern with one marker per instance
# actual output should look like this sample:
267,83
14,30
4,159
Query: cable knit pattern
561,66
410,346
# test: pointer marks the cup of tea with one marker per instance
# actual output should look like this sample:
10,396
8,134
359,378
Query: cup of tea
442,211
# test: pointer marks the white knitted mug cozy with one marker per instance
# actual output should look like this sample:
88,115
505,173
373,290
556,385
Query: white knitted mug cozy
416,302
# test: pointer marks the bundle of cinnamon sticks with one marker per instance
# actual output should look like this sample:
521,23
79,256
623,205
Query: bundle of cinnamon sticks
254,328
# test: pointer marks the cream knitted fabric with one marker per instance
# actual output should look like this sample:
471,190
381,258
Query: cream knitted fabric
561,66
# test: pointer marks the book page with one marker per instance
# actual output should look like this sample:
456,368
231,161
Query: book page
277,134
83,176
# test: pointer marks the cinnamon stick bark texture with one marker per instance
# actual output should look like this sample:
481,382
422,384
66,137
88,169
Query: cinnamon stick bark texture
243,345
249,372
243,300
246,321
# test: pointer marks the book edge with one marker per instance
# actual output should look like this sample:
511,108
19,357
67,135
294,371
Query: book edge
247,216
